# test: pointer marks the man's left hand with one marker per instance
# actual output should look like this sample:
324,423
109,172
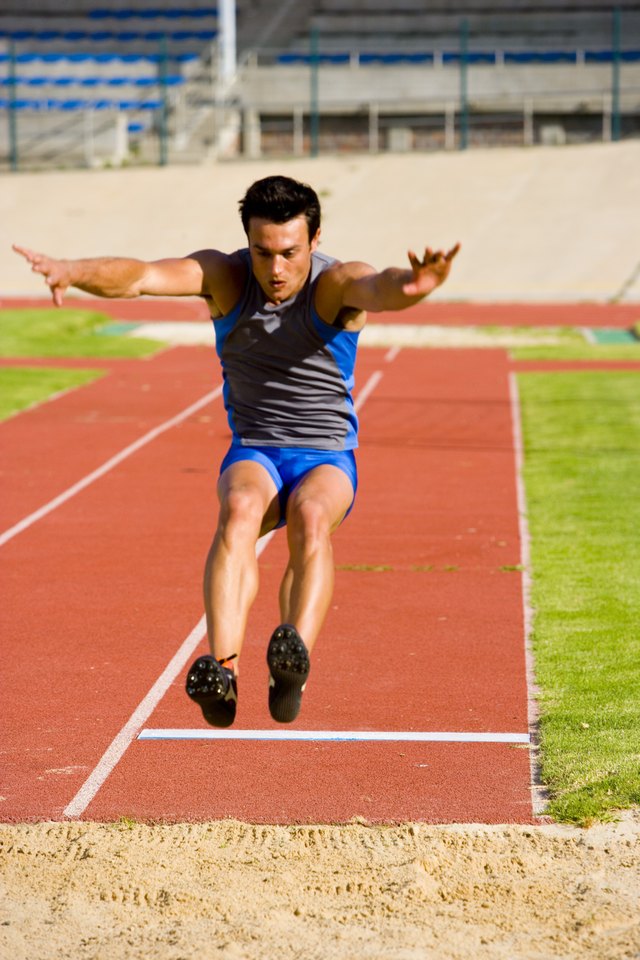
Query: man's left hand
429,272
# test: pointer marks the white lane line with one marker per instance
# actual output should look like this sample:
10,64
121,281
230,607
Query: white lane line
129,731
588,334
141,714
523,526
366,736
90,478
538,796
119,744
367,390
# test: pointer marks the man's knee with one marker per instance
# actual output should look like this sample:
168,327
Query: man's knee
241,512
308,520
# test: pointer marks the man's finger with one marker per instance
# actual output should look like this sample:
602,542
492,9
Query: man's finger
451,254
25,252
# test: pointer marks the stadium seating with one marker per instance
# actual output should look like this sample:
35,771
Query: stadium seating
153,13
57,104
95,58
125,55
99,36
376,58
394,33
75,77
471,57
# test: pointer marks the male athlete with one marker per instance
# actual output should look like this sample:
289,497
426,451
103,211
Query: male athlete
287,320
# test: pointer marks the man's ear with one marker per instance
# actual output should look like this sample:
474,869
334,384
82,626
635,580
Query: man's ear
315,240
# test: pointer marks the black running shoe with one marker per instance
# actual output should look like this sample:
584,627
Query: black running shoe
289,666
215,689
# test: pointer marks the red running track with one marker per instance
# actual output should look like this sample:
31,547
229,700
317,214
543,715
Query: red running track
425,633
621,315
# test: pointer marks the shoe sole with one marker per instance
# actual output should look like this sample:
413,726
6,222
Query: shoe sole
214,690
289,665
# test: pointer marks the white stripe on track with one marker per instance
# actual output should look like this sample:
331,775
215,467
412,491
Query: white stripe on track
90,478
538,798
143,711
523,526
362,736
119,744
368,389
145,708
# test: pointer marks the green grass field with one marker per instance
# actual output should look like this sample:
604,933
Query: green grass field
582,476
71,332
21,387
579,350
65,332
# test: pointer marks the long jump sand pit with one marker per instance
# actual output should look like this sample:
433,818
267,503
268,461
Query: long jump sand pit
227,889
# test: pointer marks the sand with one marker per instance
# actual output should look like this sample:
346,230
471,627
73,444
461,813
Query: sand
242,892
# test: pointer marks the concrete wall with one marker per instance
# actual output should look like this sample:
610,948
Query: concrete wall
572,87
538,224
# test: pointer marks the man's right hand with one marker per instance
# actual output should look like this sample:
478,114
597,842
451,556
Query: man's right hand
55,272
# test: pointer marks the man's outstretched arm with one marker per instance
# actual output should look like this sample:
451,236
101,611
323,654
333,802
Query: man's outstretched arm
394,288
122,276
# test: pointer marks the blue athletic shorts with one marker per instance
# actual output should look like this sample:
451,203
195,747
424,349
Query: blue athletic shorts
288,465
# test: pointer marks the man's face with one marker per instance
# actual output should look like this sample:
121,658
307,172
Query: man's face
280,256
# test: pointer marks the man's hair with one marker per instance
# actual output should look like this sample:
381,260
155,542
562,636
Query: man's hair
278,199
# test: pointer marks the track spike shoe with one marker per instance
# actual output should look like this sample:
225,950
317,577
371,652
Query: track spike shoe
289,665
214,688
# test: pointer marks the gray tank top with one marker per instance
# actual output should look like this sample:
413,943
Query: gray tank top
288,376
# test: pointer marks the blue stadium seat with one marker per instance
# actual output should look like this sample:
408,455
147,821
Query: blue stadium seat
606,56
545,56
97,57
16,104
292,58
471,57
77,104
100,36
169,81
393,58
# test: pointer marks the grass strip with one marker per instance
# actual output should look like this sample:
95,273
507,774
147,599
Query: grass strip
579,350
561,335
22,387
582,463
65,332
